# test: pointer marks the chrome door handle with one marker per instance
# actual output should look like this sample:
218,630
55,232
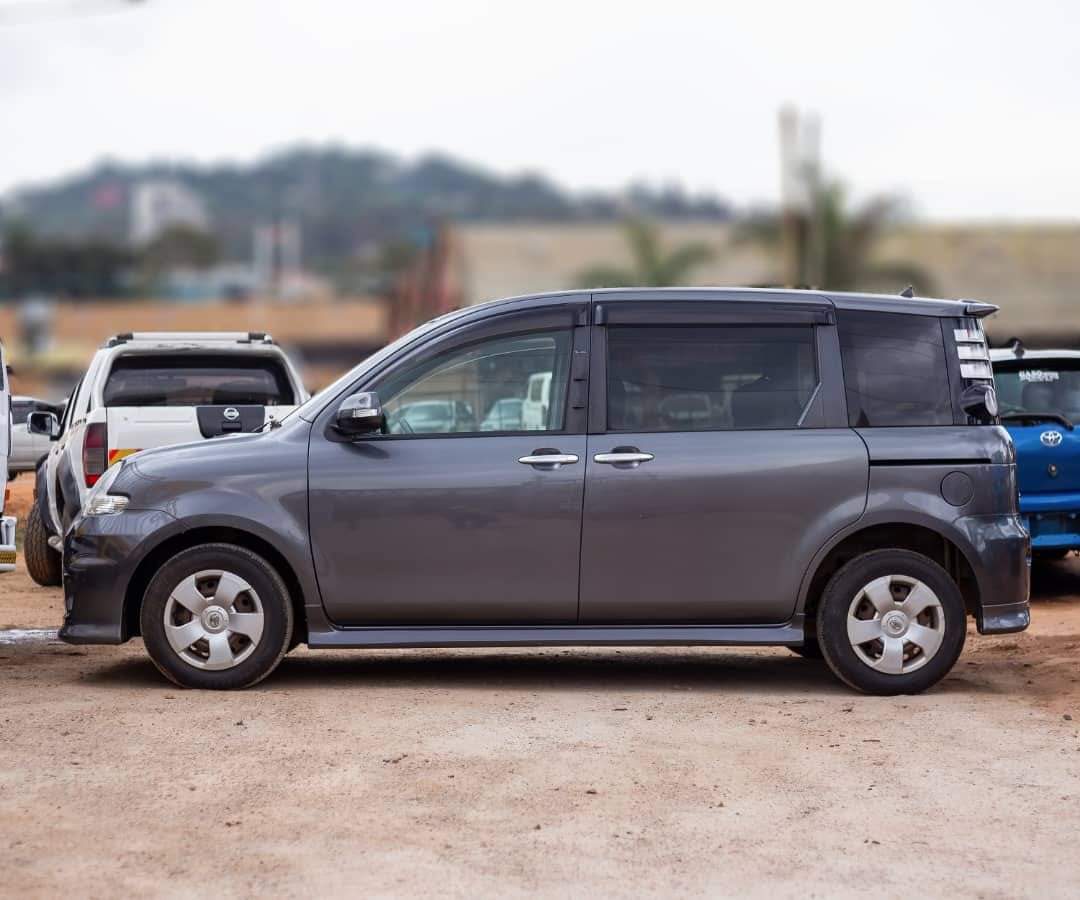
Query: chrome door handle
614,459
548,459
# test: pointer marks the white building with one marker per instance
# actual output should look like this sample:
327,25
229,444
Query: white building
160,204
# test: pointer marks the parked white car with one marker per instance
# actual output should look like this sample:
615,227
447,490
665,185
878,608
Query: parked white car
534,409
143,390
27,448
7,523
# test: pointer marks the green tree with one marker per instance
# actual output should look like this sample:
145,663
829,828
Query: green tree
180,245
652,265
834,244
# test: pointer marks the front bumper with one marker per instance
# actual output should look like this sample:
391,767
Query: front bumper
101,554
1052,520
1001,556
7,544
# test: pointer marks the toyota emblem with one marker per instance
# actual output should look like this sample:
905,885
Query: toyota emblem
1051,438
232,414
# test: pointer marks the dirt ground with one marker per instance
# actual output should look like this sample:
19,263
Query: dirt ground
558,772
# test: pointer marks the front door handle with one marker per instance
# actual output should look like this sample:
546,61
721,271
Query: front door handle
620,456
547,459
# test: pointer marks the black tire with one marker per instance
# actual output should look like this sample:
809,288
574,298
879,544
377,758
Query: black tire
44,564
849,582
267,585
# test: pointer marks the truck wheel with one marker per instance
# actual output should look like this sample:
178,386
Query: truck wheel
891,622
218,617
44,564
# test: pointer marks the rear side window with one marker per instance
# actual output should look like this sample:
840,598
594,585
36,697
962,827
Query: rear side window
20,411
709,378
197,381
894,369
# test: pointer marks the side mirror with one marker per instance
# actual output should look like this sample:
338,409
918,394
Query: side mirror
43,423
980,402
360,414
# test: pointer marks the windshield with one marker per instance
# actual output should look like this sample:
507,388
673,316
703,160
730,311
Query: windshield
1038,386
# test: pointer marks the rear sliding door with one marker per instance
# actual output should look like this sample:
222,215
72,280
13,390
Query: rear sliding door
719,462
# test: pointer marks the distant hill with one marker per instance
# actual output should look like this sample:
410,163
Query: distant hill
346,201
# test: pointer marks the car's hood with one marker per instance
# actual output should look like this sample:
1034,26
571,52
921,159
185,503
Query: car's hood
188,466
1047,457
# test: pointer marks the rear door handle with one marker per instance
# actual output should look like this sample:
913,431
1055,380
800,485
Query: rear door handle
548,459
623,457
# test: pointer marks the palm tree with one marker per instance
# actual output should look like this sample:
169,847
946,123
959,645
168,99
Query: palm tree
651,266
834,246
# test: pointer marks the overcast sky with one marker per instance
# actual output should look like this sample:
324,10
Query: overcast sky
971,109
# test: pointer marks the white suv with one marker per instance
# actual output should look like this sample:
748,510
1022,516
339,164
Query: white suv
7,523
143,390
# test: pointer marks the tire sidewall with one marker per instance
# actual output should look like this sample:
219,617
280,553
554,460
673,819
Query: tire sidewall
273,595
44,564
836,601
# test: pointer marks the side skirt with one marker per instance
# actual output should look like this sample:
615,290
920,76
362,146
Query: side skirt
788,634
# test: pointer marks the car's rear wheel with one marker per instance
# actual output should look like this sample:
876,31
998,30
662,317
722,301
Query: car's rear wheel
891,622
43,563
217,616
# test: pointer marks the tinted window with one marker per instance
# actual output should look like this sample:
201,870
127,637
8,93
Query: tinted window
485,387
197,381
708,378
894,369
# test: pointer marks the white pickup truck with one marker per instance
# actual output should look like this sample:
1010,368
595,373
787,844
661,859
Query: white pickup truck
150,389
7,523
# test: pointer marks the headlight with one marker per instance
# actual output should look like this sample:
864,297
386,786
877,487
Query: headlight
99,502
109,505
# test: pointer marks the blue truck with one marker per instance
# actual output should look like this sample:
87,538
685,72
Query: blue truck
1038,393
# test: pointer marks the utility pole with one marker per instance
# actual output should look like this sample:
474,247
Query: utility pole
802,227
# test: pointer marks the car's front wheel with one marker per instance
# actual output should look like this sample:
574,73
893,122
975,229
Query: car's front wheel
217,616
891,622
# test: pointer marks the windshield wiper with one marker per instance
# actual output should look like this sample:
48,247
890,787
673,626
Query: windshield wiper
1037,417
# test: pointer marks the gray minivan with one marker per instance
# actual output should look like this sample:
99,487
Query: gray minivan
728,467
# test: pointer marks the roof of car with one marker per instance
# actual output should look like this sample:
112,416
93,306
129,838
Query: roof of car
838,300
1008,353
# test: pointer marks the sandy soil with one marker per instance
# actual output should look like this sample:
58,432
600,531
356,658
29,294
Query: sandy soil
562,772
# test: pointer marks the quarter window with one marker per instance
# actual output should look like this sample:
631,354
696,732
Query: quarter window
709,378
505,384
894,369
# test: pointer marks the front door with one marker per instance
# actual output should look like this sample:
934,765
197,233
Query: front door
456,516
714,478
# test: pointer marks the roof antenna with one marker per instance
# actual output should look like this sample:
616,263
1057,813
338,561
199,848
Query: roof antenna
1016,345
908,292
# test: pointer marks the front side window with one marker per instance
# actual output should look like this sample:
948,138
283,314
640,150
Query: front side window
894,369
157,380
504,384
709,378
